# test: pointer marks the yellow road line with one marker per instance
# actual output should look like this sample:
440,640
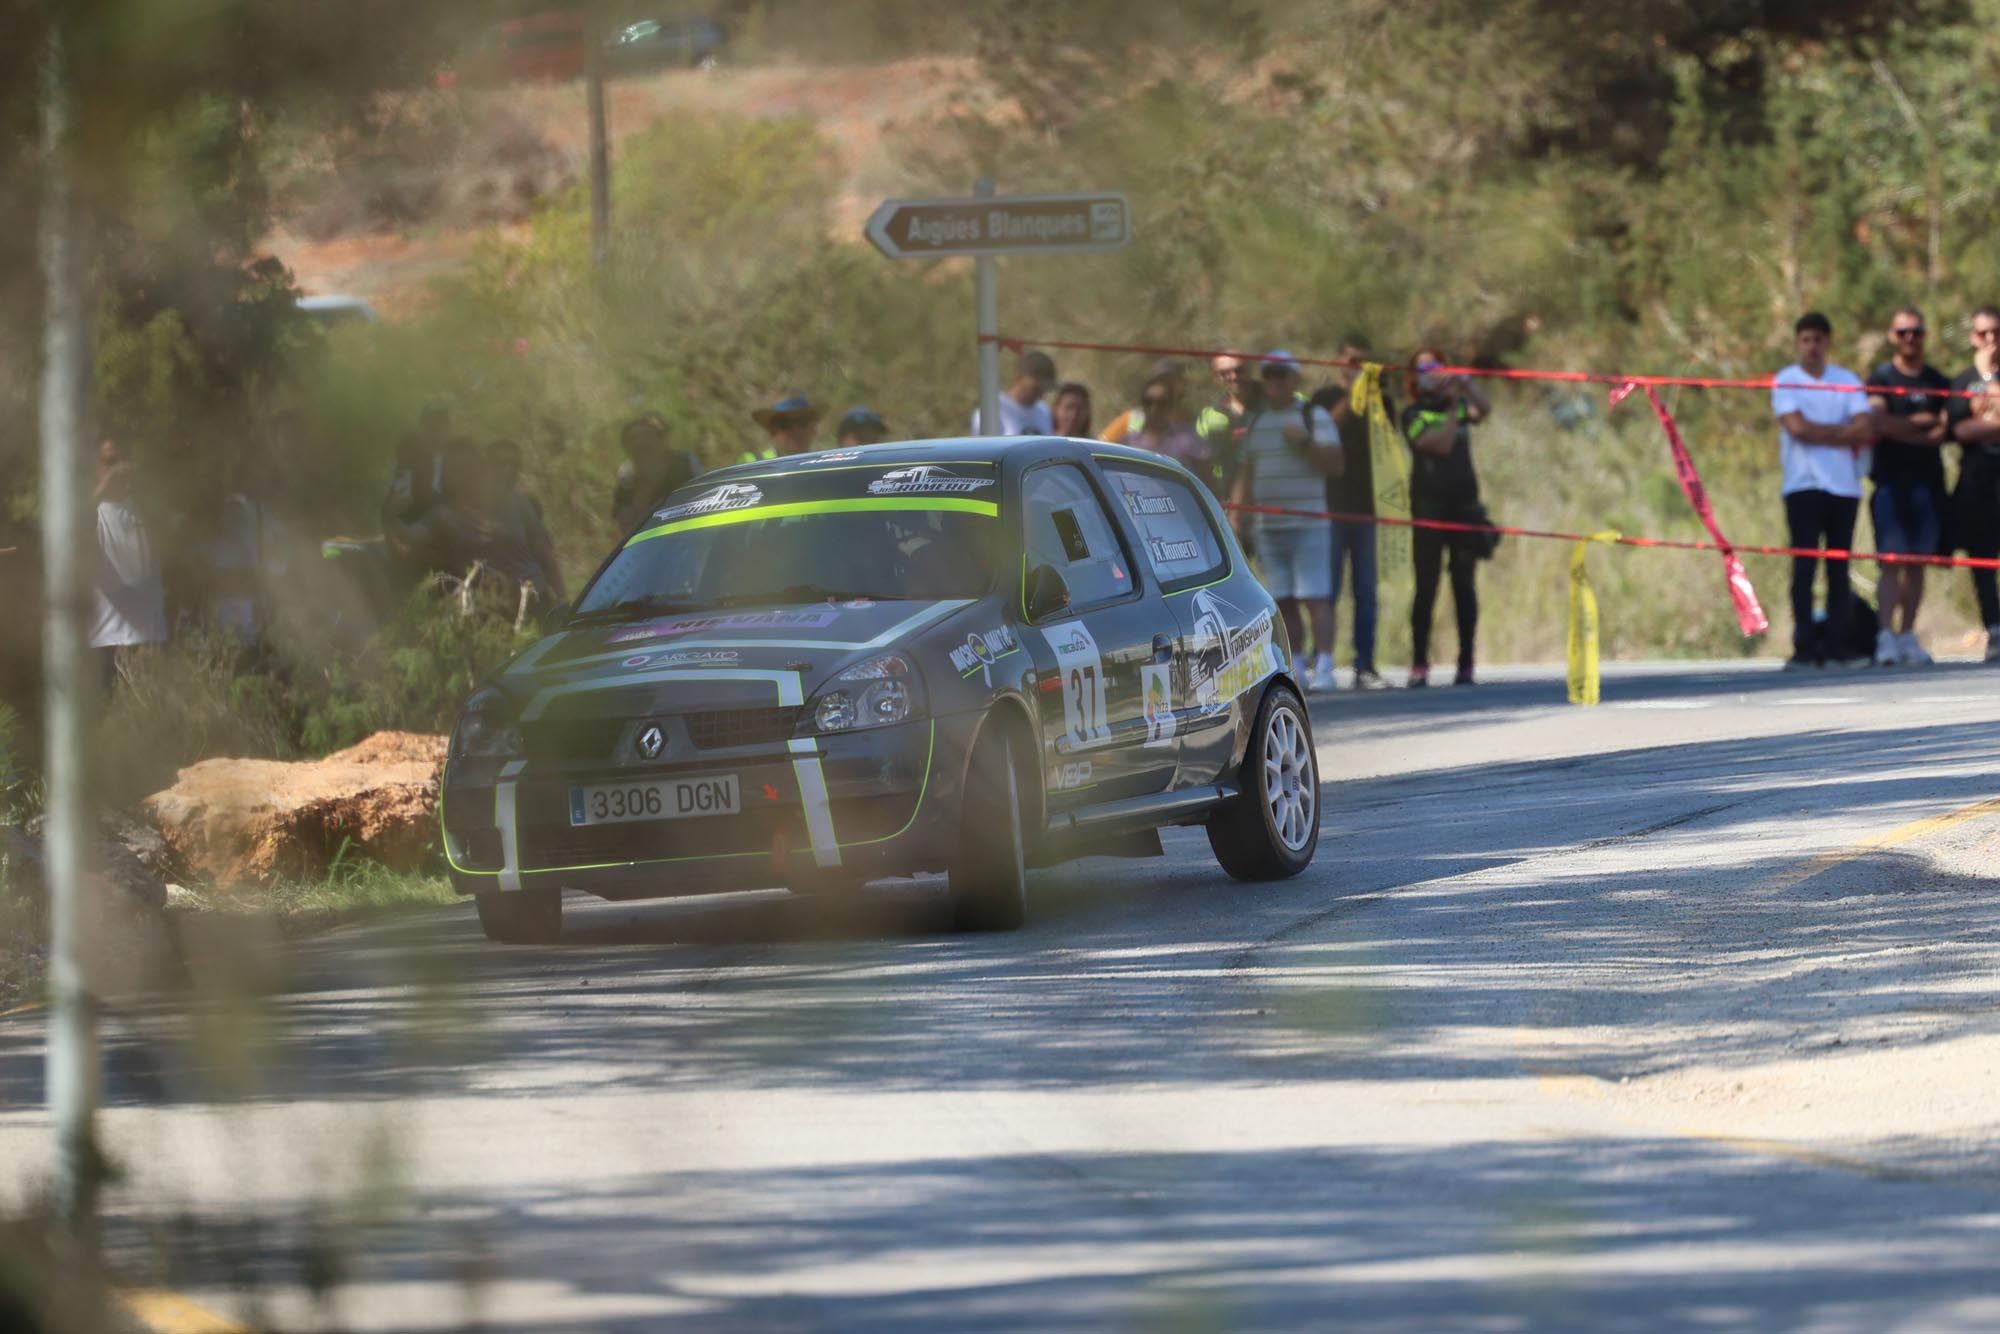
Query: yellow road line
1915,829
165,1312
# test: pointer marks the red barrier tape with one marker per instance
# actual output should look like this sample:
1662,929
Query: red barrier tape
1749,615
1768,382
1670,544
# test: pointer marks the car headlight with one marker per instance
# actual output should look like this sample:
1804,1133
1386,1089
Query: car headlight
876,693
484,730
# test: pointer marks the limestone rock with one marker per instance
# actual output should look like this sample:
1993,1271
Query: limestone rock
255,821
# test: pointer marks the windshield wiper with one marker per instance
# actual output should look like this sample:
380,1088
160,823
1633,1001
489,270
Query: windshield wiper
802,593
626,608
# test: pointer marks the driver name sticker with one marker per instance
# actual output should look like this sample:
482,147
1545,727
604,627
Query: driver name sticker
925,479
728,496
1142,506
1081,668
757,620
1160,722
1168,550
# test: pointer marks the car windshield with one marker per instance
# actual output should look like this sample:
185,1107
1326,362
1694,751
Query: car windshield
840,530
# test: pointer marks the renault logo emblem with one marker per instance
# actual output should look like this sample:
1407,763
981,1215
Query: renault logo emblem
651,742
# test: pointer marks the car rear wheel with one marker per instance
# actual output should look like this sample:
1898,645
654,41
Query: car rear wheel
521,916
1271,831
989,873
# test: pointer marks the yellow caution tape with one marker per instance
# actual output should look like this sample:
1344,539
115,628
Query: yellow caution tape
1583,621
1391,470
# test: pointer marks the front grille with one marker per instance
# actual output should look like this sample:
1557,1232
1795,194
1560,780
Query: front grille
719,729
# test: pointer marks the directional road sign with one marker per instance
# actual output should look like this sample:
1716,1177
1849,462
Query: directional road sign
1000,225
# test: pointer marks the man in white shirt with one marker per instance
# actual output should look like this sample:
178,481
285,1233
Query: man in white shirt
131,605
1022,409
1824,433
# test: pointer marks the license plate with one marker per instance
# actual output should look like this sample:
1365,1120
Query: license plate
665,799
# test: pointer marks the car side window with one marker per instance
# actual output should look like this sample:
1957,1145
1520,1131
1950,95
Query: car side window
1175,529
1068,528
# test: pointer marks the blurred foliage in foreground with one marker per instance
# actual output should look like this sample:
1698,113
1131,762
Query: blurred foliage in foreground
1661,188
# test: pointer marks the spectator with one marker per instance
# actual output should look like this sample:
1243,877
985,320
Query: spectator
248,548
1069,411
1823,426
417,480
1975,424
1129,421
1908,505
861,427
1221,422
520,517
792,422
1438,424
651,471
1289,448
1353,492
1163,424
130,601
1022,411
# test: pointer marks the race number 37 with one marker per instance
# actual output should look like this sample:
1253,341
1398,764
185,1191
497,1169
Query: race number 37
1082,668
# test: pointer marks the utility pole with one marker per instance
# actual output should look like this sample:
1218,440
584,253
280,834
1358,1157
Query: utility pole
68,545
987,294
600,145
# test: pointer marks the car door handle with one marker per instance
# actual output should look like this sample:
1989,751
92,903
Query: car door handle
1163,648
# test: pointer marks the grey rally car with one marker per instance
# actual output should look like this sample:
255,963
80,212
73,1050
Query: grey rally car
967,656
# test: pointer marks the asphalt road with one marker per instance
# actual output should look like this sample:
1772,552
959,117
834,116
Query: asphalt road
1676,1012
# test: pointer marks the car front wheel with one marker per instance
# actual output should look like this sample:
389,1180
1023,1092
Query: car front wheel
989,872
521,916
1271,831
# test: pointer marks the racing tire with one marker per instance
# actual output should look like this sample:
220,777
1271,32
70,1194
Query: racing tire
989,871
521,916
1271,831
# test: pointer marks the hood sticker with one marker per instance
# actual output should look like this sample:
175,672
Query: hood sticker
700,657
926,479
981,650
749,620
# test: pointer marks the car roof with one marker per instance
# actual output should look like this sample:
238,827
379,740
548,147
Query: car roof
962,449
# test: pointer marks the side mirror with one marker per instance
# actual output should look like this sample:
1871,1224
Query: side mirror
1046,594
555,616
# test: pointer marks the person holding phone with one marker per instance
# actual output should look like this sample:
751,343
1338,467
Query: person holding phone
1438,424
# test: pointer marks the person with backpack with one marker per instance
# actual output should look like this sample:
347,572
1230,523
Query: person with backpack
1288,449
1438,423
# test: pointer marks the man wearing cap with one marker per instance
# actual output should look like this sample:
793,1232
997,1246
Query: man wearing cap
861,427
791,422
650,473
1290,447
1022,409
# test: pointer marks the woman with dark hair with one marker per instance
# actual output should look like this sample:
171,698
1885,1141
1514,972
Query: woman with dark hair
1438,425
1164,424
1070,411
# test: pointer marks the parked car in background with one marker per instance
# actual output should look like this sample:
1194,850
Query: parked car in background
664,43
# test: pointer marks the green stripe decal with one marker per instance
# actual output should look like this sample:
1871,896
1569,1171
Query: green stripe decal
858,505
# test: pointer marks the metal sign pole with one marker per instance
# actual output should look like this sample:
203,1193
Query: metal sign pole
987,285
68,544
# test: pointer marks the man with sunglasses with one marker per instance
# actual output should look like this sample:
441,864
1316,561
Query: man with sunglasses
1974,414
1908,504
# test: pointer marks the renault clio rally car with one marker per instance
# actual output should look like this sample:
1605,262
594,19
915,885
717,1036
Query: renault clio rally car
966,656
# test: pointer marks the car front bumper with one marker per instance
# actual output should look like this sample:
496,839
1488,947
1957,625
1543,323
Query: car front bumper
830,809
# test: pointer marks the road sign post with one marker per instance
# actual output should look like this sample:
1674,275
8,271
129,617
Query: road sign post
987,226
